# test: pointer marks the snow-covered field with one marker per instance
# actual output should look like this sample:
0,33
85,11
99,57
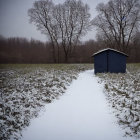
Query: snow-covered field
82,113
123,94
25,89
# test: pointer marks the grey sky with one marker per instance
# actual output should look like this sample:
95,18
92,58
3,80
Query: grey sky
14,21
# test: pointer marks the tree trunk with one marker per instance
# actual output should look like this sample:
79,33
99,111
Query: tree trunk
66,58
58,54
53,53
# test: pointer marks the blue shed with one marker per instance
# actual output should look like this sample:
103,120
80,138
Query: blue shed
110,60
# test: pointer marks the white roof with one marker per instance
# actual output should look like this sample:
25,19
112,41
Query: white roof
109,49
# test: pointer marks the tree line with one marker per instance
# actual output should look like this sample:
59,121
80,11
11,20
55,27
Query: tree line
22,50
117,23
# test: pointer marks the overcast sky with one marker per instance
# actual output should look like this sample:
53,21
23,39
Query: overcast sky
14,21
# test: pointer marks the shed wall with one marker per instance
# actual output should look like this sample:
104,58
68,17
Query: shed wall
116,62
100,62
110,61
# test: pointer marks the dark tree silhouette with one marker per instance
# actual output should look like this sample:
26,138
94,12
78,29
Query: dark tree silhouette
117,22
64,24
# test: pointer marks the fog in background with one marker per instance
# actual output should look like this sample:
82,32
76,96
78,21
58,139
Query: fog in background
14,20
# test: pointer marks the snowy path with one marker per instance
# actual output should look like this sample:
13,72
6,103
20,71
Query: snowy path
80,114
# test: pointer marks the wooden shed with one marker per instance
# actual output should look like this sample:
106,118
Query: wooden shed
109,60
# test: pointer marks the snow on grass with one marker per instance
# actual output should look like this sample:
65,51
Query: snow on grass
25,89
123,93
82,113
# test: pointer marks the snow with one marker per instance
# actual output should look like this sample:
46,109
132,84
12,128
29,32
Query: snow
109,49
26,89
122,92
82,113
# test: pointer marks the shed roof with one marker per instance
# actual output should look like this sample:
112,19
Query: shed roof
111,50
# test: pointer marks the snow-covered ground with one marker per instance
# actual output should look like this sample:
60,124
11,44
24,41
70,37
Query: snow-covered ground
123,94
82,113
25,89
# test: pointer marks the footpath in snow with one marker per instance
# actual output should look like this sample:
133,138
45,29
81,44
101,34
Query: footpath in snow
81,113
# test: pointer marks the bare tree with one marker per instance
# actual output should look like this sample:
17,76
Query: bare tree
73,19
64,24
117,22
42,15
